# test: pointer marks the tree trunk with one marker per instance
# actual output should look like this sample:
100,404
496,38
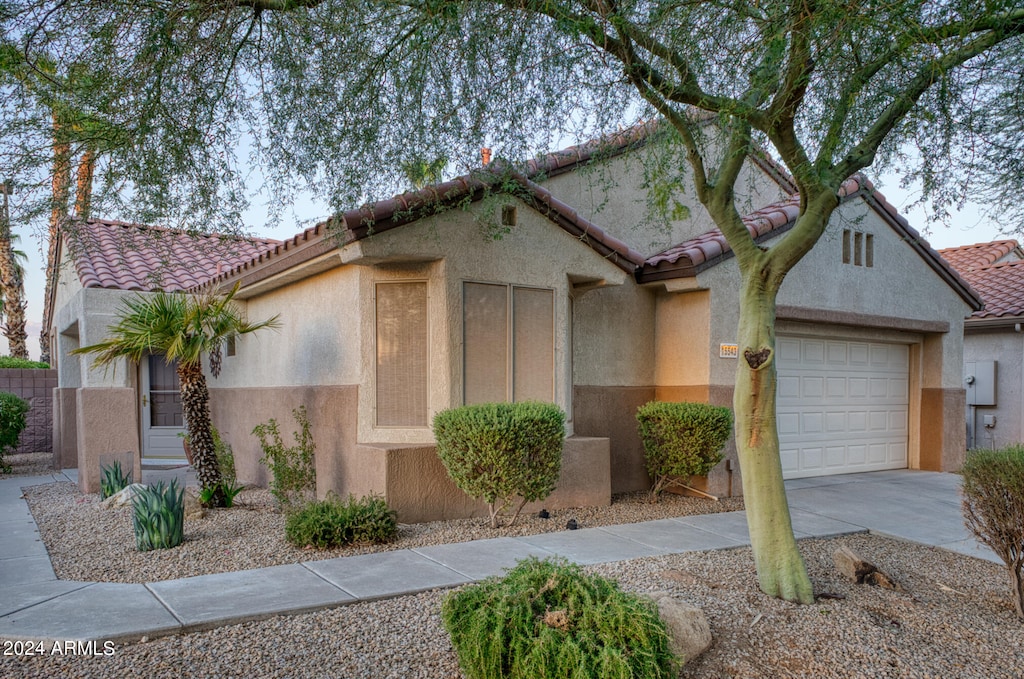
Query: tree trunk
195,405
61,183
1017,587
83,188
11,288
780,568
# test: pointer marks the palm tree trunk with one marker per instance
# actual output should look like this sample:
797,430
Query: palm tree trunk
195,405
11,287
61,183
780,568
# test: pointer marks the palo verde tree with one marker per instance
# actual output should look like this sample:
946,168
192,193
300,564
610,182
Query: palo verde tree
337,96
183,328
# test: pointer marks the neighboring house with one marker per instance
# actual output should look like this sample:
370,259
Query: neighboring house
399,309
993,342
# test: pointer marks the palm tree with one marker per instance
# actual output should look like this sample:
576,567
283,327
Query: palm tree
183,327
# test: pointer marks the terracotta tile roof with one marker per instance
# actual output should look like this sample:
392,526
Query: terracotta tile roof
122,256
967,257
1001,287
996,271
384,215
693,256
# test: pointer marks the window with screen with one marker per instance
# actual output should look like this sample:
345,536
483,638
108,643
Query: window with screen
509,343
401,347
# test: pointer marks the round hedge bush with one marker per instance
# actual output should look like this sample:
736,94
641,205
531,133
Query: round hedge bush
550,620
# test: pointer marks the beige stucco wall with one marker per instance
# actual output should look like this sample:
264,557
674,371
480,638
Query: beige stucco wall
613,195
1005,346
317,342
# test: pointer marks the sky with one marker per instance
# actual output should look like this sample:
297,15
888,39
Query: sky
967,226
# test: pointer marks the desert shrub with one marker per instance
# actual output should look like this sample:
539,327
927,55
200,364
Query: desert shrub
294,474
682,439
12,423
21,363
225,457
113,480
333,522
497,451
993,506
159,516
549,619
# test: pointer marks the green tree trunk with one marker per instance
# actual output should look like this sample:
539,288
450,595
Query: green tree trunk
780,568
195,405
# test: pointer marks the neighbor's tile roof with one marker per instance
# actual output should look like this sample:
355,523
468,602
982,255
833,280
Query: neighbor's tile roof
966,257
123,256
693,256
999,280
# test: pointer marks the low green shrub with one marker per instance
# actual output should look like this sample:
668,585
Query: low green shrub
293,468
225,458
12,423
993,506
333,522
682,439
550,620
10,362
497,451
113,480
159,516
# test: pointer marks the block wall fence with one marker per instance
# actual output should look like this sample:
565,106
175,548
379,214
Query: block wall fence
35,386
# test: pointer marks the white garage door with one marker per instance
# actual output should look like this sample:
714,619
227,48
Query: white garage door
842,406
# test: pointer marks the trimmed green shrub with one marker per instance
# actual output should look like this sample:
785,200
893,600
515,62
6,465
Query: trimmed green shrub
159,517
10,362
113,480
332,522
293,468
993,506
682,439
549,620
12,423
496,451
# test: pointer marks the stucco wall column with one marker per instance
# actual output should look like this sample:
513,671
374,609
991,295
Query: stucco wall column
107,429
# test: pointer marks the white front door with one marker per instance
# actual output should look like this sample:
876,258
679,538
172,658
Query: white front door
161,414
842,406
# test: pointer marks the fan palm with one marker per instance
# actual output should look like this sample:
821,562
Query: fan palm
183,327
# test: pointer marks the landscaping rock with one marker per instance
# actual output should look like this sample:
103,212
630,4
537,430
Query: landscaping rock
688,628
860,571
123,498
193,508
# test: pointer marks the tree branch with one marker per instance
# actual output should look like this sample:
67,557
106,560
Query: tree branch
863,154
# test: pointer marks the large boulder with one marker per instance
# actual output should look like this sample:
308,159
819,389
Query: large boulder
861,571
193,507
122,498
688,628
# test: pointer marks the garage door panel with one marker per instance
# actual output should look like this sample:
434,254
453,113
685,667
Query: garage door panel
812,387
842,406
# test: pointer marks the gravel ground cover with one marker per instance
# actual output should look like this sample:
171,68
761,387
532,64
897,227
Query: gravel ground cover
88,542
29,464
954,620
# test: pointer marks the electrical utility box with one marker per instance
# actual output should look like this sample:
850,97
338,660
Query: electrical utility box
980,381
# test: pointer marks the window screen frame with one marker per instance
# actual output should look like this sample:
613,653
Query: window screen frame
510,334
426,348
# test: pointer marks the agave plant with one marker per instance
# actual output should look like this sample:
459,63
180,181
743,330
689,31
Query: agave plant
113,480
159,516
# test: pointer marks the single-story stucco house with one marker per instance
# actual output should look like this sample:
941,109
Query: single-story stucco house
993,341
399,309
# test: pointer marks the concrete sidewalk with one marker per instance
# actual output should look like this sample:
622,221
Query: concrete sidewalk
917,506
